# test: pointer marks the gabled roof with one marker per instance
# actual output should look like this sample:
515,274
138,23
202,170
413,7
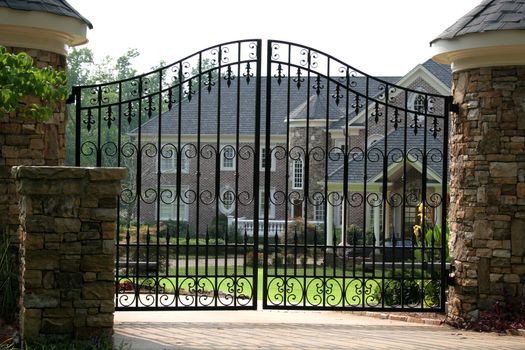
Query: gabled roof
429,70
440,71
395,148
57,7
489,15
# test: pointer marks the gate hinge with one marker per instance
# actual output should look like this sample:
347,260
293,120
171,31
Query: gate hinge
71,98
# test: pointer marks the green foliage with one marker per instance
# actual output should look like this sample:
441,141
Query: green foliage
408,289
8,282
313,234
432,238
22,85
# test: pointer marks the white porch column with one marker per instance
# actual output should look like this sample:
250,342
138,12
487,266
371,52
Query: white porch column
437,213
343,221
377,223
329,224
386,224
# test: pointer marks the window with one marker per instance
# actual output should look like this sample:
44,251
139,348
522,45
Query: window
319,210
297,173
419,104
271,210
168,159
228,157
169,202
264,162
227,201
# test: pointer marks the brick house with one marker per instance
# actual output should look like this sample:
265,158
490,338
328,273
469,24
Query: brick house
222,127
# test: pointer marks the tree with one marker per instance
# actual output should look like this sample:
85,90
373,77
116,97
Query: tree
29,91
84,70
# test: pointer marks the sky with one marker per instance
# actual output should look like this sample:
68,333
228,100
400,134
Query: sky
379,37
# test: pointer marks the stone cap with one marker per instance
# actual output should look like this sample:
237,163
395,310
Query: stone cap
490,35
68,172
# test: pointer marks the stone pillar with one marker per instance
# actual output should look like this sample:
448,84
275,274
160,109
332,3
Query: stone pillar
486,50
27,142
487,188
68,224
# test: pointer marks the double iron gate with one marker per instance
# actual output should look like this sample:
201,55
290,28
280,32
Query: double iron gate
310,186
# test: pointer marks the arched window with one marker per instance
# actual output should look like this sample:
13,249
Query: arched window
227,201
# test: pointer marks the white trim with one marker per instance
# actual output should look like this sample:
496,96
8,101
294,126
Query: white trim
414,164
487,49
40,30
373,139
417,72
312,123
272,156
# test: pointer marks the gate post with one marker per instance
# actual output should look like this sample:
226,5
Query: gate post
68,224
487,168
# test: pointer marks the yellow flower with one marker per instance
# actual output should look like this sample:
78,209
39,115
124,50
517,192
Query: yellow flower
417,230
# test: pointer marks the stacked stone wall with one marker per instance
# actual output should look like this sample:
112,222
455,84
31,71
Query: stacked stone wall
68,225
487,188
27,142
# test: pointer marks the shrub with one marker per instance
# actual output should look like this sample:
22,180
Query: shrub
408,291
296,234
9,292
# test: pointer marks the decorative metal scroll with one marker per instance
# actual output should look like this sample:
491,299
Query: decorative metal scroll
232,173
366,212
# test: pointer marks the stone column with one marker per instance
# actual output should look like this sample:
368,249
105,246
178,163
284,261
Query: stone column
68,223
27,142
487,188
486,50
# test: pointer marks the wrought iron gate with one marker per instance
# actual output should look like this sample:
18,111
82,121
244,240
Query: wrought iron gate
327,191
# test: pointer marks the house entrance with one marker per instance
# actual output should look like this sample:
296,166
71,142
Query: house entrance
290,178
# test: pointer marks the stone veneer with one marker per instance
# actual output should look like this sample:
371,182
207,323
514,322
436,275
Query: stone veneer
27,142
68,224
487,188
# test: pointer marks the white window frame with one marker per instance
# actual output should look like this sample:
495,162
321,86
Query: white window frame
319,212
185,166
222,206
271,211
184,208
262,158
225,148
297,185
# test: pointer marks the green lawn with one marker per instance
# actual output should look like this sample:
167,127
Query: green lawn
320,290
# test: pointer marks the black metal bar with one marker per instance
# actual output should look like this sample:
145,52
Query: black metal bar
266,175
256,172
444,202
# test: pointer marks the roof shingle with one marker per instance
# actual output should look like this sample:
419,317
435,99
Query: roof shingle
489,15
57,7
